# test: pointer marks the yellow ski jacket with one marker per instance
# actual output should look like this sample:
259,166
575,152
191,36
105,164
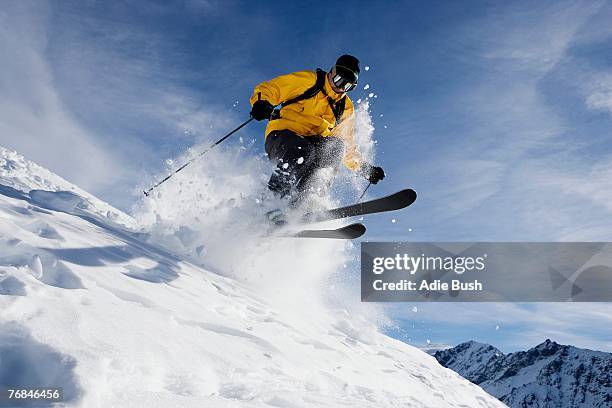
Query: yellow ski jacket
309,117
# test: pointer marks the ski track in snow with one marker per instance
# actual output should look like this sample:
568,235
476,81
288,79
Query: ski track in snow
91,304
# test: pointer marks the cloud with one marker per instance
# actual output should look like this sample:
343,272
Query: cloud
600,100
33,118
513,154
99,100
600,93
534,39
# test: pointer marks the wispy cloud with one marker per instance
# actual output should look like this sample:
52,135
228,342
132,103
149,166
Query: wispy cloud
145,98
514,152
94,100
33,118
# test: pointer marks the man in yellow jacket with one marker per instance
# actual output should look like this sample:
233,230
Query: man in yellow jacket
313,128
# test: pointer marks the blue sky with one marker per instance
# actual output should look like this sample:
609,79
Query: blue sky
497,113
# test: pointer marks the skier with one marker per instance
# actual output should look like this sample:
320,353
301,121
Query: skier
312,129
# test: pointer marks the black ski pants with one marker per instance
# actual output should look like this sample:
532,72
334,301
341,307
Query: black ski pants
298,158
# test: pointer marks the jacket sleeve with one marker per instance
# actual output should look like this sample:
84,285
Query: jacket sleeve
352,157
284,87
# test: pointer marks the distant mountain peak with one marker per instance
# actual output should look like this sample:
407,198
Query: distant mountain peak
547,375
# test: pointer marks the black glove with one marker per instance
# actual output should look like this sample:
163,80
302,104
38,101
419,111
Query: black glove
262,110
372,173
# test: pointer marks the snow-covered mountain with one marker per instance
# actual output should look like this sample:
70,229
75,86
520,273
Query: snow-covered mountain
93,302
549,375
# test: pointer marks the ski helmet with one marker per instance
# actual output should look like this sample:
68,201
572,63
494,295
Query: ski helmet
346,72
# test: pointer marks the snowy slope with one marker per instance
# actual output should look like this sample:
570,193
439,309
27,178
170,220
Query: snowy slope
549,375
89,303
24,175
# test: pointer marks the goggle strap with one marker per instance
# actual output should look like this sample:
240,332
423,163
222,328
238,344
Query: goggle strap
347,68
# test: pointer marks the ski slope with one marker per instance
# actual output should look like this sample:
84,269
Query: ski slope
92,301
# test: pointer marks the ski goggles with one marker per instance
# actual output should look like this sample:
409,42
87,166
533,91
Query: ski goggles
343,78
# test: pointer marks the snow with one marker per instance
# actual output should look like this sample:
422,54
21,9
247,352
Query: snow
18,175
181,306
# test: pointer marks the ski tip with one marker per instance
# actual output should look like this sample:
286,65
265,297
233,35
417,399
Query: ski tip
359,231
357,228
406,196
351,231
409,193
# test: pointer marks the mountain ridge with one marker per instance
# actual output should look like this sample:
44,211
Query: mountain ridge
547,375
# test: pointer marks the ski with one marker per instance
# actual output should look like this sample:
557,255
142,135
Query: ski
392,202
351,231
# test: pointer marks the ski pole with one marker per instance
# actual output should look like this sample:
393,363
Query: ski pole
364,191
147,192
